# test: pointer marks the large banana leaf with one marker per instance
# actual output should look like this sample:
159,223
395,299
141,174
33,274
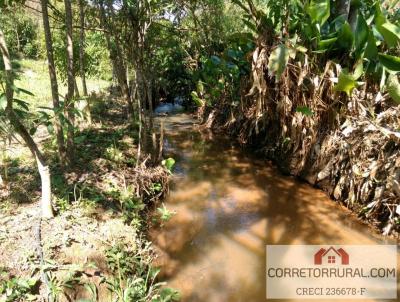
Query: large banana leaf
278,60
391,63
393,87
347,82
371,51
390,32
319,11
346,37
361,34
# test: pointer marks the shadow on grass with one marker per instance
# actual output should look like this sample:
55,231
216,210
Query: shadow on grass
102,152
103,168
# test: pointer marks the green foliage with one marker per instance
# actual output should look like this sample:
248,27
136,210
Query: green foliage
345,38
347,82
393,87
131,205
305,110
391,63
20,107
17,289
167,295
165,214
96,59
21,32
114,154
123,260
168,163
92,291
62,204
319,11
278,60
369,41
157,187
131,209
197,99
133,277
362,30
219,76
169,61
57,286
391,33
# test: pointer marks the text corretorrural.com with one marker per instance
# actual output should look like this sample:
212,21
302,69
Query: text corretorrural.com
312,272
331,272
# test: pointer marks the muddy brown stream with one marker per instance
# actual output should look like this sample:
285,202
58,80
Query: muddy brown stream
229,205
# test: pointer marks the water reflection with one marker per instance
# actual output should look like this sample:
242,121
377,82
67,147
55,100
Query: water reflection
229,205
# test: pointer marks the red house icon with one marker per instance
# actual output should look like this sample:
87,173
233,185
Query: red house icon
330,255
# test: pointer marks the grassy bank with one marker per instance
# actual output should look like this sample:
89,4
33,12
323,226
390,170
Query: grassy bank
95,249
33,75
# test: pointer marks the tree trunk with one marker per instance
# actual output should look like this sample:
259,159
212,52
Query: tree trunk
116,58
43,168
76,88
82,46
353,14
44,171
53,82
343,8
139,151
70,80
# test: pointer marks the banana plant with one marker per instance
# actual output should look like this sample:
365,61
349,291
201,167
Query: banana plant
365,40
219,76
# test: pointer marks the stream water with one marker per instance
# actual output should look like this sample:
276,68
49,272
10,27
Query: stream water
229,204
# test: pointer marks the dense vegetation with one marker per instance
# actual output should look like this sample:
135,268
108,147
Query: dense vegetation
313,84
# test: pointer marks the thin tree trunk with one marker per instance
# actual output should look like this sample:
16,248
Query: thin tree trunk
121,67
53,82
76,88
149,88
18,41
44,171
82,46
149,95
353,13
116,58
161,143
70,80
343,8
139,151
